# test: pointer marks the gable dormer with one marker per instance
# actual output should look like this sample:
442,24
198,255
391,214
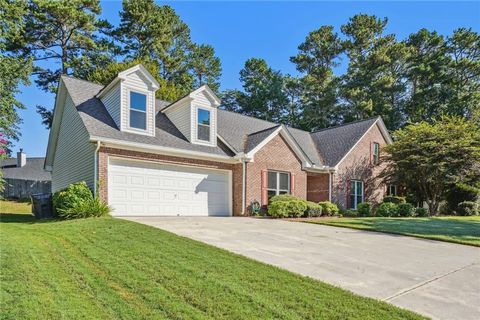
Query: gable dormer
195,115
130,100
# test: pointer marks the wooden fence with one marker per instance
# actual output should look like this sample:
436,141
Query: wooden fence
21,189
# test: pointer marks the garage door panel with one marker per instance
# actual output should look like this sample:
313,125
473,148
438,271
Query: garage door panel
143,188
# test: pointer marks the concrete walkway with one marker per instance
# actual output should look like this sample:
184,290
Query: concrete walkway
438,279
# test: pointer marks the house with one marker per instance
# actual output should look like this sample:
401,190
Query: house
145,156
24,176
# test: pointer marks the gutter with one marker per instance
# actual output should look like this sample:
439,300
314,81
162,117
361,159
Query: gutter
244,185
95,169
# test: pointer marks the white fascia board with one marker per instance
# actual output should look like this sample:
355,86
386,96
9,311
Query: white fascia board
176,104
108,87
56,122
142,147
384,131
379,121
291,142
322,169
205,88
139,67
227,144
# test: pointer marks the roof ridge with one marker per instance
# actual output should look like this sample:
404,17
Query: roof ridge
263,130
345,124
83,80
270,122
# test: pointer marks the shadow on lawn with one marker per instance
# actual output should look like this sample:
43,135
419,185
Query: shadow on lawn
22,218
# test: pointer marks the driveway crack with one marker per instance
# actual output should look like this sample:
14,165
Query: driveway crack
403,292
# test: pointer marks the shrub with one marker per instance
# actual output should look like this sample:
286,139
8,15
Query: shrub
421,212
461,192
406,210
350,213
328,208
387,209
363,209
313,209
70,196
77,201
394,199
278,209
467,208
283,197
283,209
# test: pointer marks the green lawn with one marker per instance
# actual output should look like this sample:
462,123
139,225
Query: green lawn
464,230
7,206
109,268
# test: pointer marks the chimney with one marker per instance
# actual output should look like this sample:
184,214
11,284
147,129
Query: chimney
21,158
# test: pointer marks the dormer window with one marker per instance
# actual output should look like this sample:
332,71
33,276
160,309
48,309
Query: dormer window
138,110
203,125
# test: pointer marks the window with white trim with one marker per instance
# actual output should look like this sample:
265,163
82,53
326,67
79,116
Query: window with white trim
356,193
376,153
278,183
391,190
138,110
203,125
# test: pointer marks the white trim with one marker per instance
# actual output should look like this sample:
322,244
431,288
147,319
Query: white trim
290,141
123,76
355,195
382,129
211,131
148,96
244,185
330,181
142,147
191,96
95,169
227,144
127,159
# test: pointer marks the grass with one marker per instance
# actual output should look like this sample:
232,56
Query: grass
9,206
462,230
106,268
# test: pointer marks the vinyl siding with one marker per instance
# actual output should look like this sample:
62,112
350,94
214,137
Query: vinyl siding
74,155
112,103
181,118
202,101
137,82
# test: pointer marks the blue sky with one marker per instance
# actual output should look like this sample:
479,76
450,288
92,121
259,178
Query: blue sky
268,30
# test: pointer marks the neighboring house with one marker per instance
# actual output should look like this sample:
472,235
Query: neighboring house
149,157
24,176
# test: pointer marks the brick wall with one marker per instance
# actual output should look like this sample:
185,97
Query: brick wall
105,152
358,166
317,187
276,155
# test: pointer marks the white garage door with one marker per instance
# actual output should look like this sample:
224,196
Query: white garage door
149,189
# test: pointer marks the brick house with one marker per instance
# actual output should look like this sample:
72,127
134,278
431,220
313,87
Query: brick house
145,156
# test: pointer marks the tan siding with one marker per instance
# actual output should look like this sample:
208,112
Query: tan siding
137,82
112,103
74,155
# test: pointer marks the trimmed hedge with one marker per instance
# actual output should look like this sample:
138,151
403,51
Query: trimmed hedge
395,199
406,210
329,208
350,213
387,209
284,209
364,209
313,209
283,197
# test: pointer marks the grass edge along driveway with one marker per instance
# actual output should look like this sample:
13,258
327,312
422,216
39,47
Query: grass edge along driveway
460,230
108,268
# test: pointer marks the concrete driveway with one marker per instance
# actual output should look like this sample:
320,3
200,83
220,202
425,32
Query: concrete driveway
437,279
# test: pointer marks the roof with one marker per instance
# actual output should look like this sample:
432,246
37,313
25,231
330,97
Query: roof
240,132
32,170
99,123
335,142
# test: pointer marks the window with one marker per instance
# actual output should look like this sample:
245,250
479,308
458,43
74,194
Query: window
391,190
203,124
376,153
356,193
278,183
138,110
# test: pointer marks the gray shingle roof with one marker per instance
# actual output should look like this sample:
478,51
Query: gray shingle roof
32,170
334,143
242,133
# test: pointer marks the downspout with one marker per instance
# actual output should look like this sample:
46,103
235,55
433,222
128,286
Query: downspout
330,174
244,188
95,169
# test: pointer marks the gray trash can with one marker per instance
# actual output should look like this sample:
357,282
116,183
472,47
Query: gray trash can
42,205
